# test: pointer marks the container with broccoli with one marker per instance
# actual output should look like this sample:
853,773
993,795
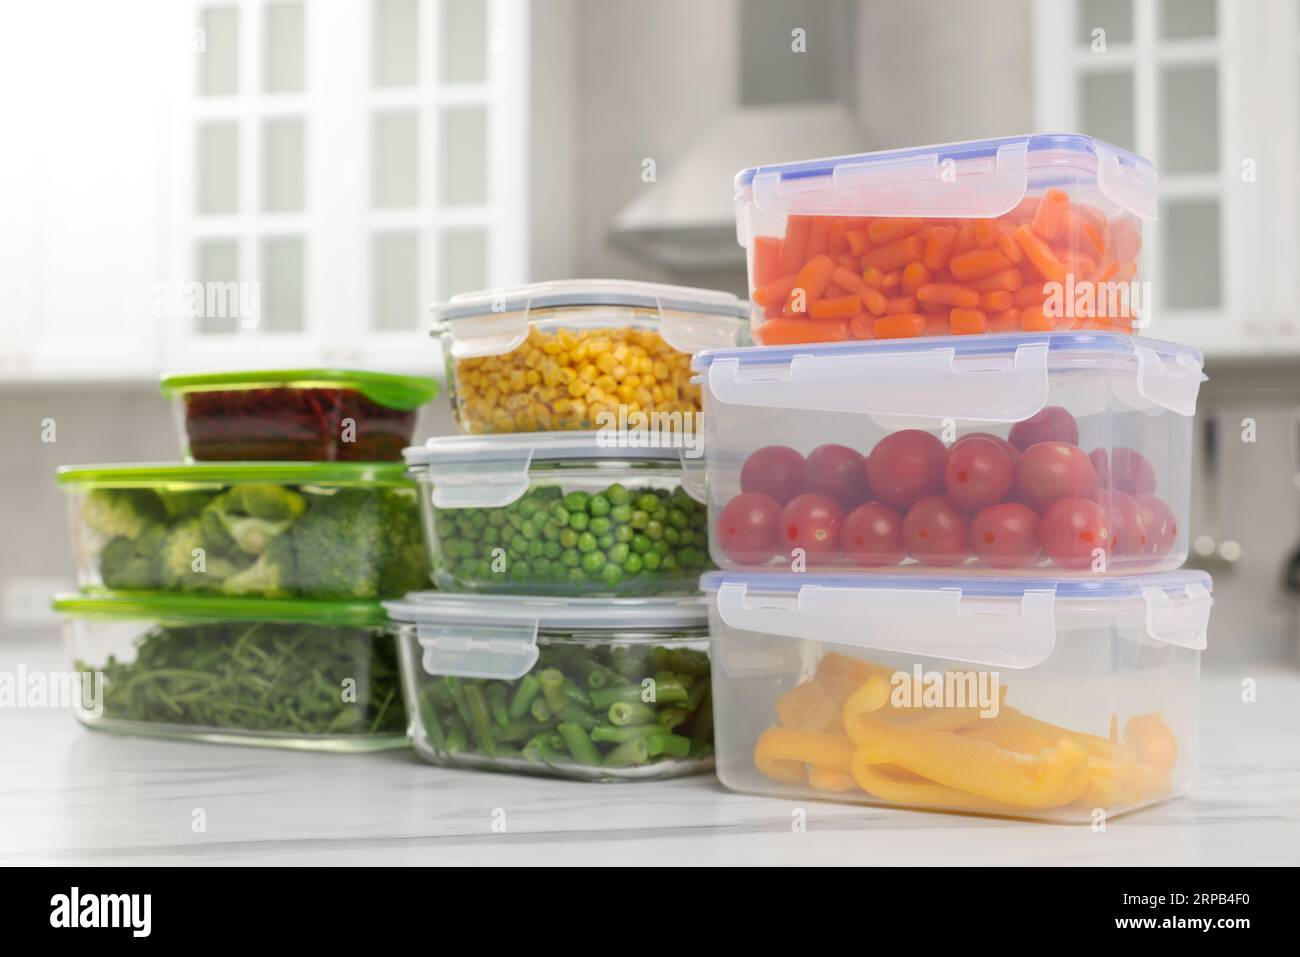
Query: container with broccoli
587,688
335,531
559,514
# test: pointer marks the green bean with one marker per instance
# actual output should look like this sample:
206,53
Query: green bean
457,736
481,723
604,697
552,680
608,733
670,745
671,717
528,689
496,696
579,744
628,754
669,690
540,710
576,714
575,694
429,720
453,685
630,712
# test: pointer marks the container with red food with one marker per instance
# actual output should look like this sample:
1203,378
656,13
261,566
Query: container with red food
300,415
1024,233
1033,454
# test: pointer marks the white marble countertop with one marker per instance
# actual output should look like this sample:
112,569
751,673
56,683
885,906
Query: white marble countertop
72,796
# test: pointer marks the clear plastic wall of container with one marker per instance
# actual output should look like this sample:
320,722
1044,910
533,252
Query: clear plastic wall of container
339,531
560,356
551,514
236,671
1061,701
1046,454
582,688
1026,233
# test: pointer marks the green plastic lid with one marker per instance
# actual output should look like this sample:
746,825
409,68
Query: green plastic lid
171,606
151,475
403,392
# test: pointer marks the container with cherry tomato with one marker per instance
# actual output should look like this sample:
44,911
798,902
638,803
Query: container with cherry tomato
1094,481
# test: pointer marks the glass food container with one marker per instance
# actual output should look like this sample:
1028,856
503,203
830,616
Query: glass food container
317,415
591,689
557,356
1020,233
1064,701
1036,454
323,530
580,514
318,676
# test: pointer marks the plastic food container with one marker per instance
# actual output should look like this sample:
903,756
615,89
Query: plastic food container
317,415
556,356
598,690
1060,700
1037,454
326,530
1027,233
559,514
291,674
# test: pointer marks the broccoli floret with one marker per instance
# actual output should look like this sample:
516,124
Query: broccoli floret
132,563
274,502
406,561
249,517
176,562
269,576
335,545
121,512
182,504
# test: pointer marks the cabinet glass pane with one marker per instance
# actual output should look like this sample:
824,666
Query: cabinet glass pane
283,42
462,261
464,44
1106,107
1115,17
395,47
217,177
395,280
283,168
1189,119
1180,19
217,265
219,51
282,284
463,159
395,160
1193,268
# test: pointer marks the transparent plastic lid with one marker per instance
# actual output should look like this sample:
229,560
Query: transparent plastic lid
1002,622
1000,378
977,178
486,636
579,293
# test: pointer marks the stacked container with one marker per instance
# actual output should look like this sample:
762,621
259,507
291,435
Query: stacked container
567,636
235,597
949,493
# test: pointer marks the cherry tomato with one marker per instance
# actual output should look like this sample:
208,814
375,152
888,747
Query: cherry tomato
838,471
906,466
1160,525
1050,424
811,522
1011,450
1050,471
1127,470
937,532
873,535
978,474
776,471
1128,536
747,528
1072,529
1006,536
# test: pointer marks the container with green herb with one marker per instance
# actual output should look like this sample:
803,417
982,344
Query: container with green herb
581,514
295,674
587,688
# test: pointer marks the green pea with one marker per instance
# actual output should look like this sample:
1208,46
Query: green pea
528,508
552,550
647,501
677,518
654,529
586,542
611,574
579,520
570,558
599,505
668,563
599,525
617,495
496,518
568,538
576,501
528,529
652,561
618,553
687,537
623,533
641,544
633,564
672,536
661,547
593,562
620,514
640,519
535,548
560,513
605,541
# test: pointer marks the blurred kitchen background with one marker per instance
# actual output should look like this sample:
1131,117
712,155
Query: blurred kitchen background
362,158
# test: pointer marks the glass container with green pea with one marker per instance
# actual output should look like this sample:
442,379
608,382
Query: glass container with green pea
587,688
576,514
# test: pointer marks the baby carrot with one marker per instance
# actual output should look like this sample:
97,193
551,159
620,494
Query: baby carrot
938,246
873,277
767,259
773,294
1007,246
895,255
837,243
848,280
899,304
948,294
819,237
1040,254
1024,210
1125,240
857,240
977,263
1051,213
1031,294
874,300
965,322
860,325
915,275
965,240
996,301
903,326
1009,280
848,261
1006,321
813,279
795,245
1032,319
787,331
839,307
891,280
892,228
937,325
986,233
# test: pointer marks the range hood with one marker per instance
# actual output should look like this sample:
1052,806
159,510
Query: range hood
686,222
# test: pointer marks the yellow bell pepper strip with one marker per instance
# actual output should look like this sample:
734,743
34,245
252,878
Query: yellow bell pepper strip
1150,737
1056,776
1013,739
823,779
1147,780
783,753
841,675
1100,747
895,786
868,699
1106,793
807,707
932,719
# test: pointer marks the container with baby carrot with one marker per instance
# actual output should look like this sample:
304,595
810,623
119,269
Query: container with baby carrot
1061,701
1024,233
560,356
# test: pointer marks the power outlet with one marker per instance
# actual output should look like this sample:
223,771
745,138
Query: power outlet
27,600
